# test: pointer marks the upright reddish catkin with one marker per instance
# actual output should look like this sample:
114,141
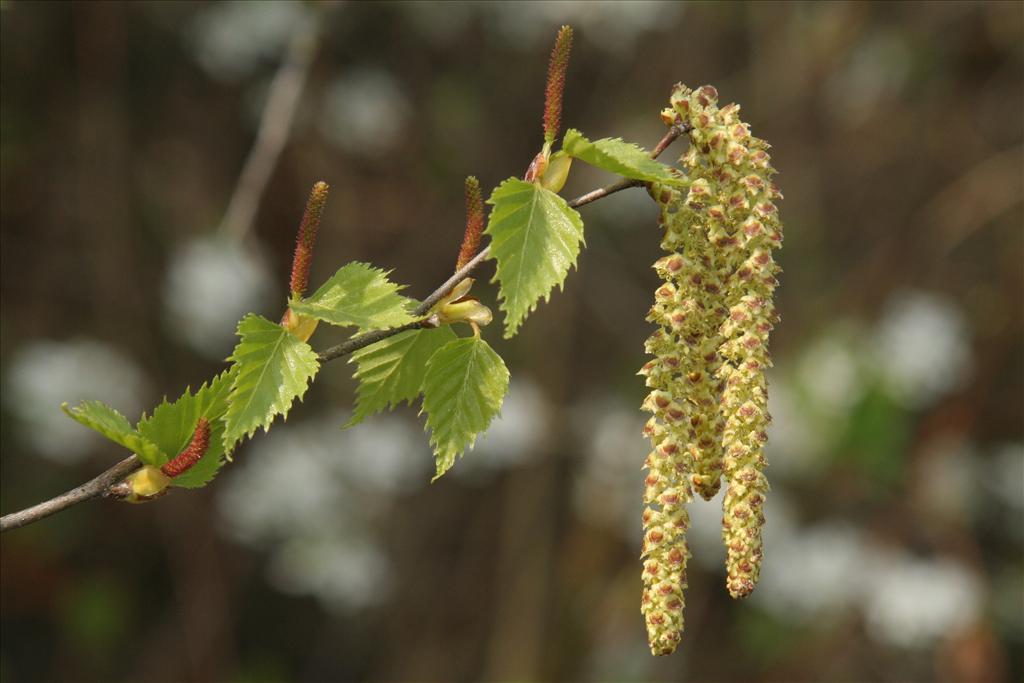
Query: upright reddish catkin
306,238
195,450
557,67
474,222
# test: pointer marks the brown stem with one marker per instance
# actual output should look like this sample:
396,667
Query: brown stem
670,137
100,485
79,494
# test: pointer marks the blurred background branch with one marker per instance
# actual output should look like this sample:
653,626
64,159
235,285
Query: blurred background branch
282,101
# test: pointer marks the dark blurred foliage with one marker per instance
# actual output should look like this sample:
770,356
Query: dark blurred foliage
897,132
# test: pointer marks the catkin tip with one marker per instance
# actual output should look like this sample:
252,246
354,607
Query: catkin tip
557,67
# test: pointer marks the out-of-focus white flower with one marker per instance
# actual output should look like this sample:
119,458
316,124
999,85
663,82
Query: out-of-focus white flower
230,39
389,455
921,347
210,284
810,571
823,570
705,535
612,26
346,574
796,439
46,373
911,602
514,438
609,484
365,111
308,494
285,485
832,373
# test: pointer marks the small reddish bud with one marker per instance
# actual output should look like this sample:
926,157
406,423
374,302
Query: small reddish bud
536,168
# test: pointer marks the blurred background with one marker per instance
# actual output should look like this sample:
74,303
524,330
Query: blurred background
132,241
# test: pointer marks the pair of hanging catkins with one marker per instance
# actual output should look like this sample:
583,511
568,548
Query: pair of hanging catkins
708,397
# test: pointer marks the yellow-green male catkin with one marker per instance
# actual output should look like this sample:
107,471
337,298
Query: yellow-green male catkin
686,348
669,466
708,393
686,428
731,185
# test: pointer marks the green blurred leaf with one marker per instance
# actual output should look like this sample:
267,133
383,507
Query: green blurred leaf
463,388
876,437
172,426
392,370
360,295
272,369
115,426
95,614
535,237
623,158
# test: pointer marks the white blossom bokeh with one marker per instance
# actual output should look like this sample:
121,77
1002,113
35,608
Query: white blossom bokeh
46,373
210,284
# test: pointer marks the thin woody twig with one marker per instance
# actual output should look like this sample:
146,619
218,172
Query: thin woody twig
101,484
670,137
79,494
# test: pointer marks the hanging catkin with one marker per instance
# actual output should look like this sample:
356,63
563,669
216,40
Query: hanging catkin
708,391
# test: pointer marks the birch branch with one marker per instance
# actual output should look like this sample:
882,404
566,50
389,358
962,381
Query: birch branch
101,485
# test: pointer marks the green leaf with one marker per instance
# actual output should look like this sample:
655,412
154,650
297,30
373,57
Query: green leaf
535,237
463,388
358,295
392,370
273,368
172,425
614,155
115,426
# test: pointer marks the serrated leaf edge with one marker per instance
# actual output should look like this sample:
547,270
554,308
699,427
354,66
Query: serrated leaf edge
512,327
